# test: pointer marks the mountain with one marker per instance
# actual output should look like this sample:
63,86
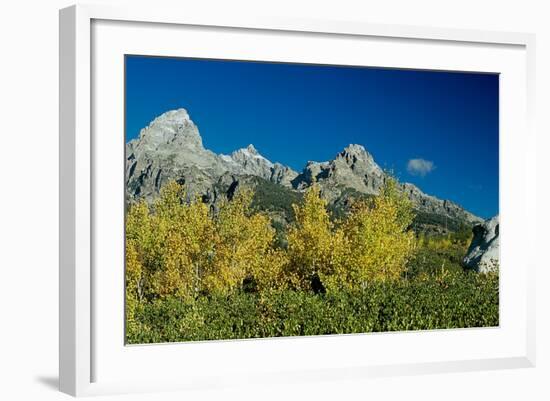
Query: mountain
352,168
171,148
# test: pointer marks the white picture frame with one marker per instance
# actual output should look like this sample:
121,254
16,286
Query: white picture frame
86,349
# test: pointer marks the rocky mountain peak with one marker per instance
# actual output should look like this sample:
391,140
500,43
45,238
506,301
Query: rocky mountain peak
353,153
353,167
250,153
252,150
175,116
354,149
252,162
173,128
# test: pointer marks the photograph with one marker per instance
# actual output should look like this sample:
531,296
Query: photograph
275,199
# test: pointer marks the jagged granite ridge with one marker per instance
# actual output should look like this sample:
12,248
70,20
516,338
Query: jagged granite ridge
171,148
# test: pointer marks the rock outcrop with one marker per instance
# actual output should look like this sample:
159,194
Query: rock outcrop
282,175
483,253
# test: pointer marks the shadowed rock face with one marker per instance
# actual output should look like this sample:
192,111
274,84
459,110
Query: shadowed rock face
483,253
171,148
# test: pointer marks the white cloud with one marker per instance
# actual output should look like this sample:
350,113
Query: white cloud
420,167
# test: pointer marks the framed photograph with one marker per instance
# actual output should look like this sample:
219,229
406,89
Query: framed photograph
274,200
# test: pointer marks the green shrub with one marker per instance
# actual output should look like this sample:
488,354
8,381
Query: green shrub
271,197
440,301
434,261
423,219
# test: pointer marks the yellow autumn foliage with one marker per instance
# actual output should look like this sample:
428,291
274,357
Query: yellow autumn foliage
134,289
373,242
242,248
314,248
378,238
179,247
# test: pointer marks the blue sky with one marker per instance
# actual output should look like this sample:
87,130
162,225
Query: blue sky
438,130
